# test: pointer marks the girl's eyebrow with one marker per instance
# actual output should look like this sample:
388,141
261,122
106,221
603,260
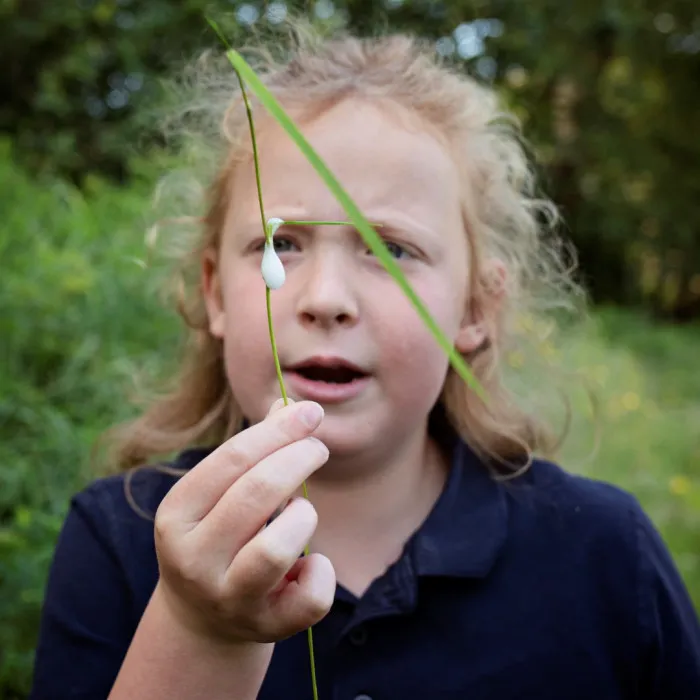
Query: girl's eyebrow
255,227
392,224
383,223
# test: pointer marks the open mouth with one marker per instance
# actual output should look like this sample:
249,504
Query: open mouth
327,379
338,374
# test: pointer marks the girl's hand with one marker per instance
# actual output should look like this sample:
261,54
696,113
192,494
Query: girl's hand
224,574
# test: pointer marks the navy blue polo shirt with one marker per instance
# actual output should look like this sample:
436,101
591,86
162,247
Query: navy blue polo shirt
547,587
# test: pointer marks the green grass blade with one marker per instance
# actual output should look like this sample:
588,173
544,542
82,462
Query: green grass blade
310,222
370,236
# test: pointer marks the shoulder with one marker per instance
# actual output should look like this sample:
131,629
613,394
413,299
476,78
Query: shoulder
116,513
615,556
602,534
102,574
551,493
575,523
117,498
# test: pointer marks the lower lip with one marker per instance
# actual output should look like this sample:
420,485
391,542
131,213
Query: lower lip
325,392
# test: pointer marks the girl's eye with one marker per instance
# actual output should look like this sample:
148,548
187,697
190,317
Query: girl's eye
283,245
398,251
395,250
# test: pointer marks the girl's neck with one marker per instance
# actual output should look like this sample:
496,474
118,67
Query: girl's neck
364,522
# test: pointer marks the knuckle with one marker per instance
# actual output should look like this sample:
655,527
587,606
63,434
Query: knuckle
259,488
235,454
196,583
273,558
189,568
163,525
219,598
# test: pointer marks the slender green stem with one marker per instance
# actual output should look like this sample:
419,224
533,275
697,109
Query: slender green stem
312,661
278,369
249,113
273,343
274,347
292,222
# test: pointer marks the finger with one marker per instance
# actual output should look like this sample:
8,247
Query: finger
278,404
250,502
262,563
196,493
277,511
305,601
292,575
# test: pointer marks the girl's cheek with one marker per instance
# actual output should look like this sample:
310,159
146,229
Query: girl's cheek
437,296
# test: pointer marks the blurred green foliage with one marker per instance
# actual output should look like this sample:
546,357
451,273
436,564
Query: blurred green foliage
76,313
607,92
81,322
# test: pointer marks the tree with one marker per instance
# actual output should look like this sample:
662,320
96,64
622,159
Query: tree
607,93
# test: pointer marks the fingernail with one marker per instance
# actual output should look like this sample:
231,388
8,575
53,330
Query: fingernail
310,414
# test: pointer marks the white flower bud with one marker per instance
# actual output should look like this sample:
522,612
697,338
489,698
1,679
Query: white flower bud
272,268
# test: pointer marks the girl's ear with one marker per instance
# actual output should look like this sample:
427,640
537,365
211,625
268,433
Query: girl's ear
480,323
471,337
211,290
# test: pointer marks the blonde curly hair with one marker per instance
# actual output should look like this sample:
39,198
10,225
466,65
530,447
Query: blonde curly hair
503,216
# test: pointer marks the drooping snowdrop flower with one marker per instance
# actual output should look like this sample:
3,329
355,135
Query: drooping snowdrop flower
271,266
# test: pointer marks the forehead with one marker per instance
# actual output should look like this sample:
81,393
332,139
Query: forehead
382,157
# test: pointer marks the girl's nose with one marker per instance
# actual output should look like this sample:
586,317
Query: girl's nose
326,297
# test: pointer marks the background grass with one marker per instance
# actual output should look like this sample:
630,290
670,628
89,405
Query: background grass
649,393
80,320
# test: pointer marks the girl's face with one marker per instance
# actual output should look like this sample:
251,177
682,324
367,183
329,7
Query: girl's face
346,334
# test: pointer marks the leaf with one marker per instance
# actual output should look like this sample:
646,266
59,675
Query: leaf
370,236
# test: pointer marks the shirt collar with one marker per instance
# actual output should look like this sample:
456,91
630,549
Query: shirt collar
467,528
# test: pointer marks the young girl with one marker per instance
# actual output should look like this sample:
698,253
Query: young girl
431,574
